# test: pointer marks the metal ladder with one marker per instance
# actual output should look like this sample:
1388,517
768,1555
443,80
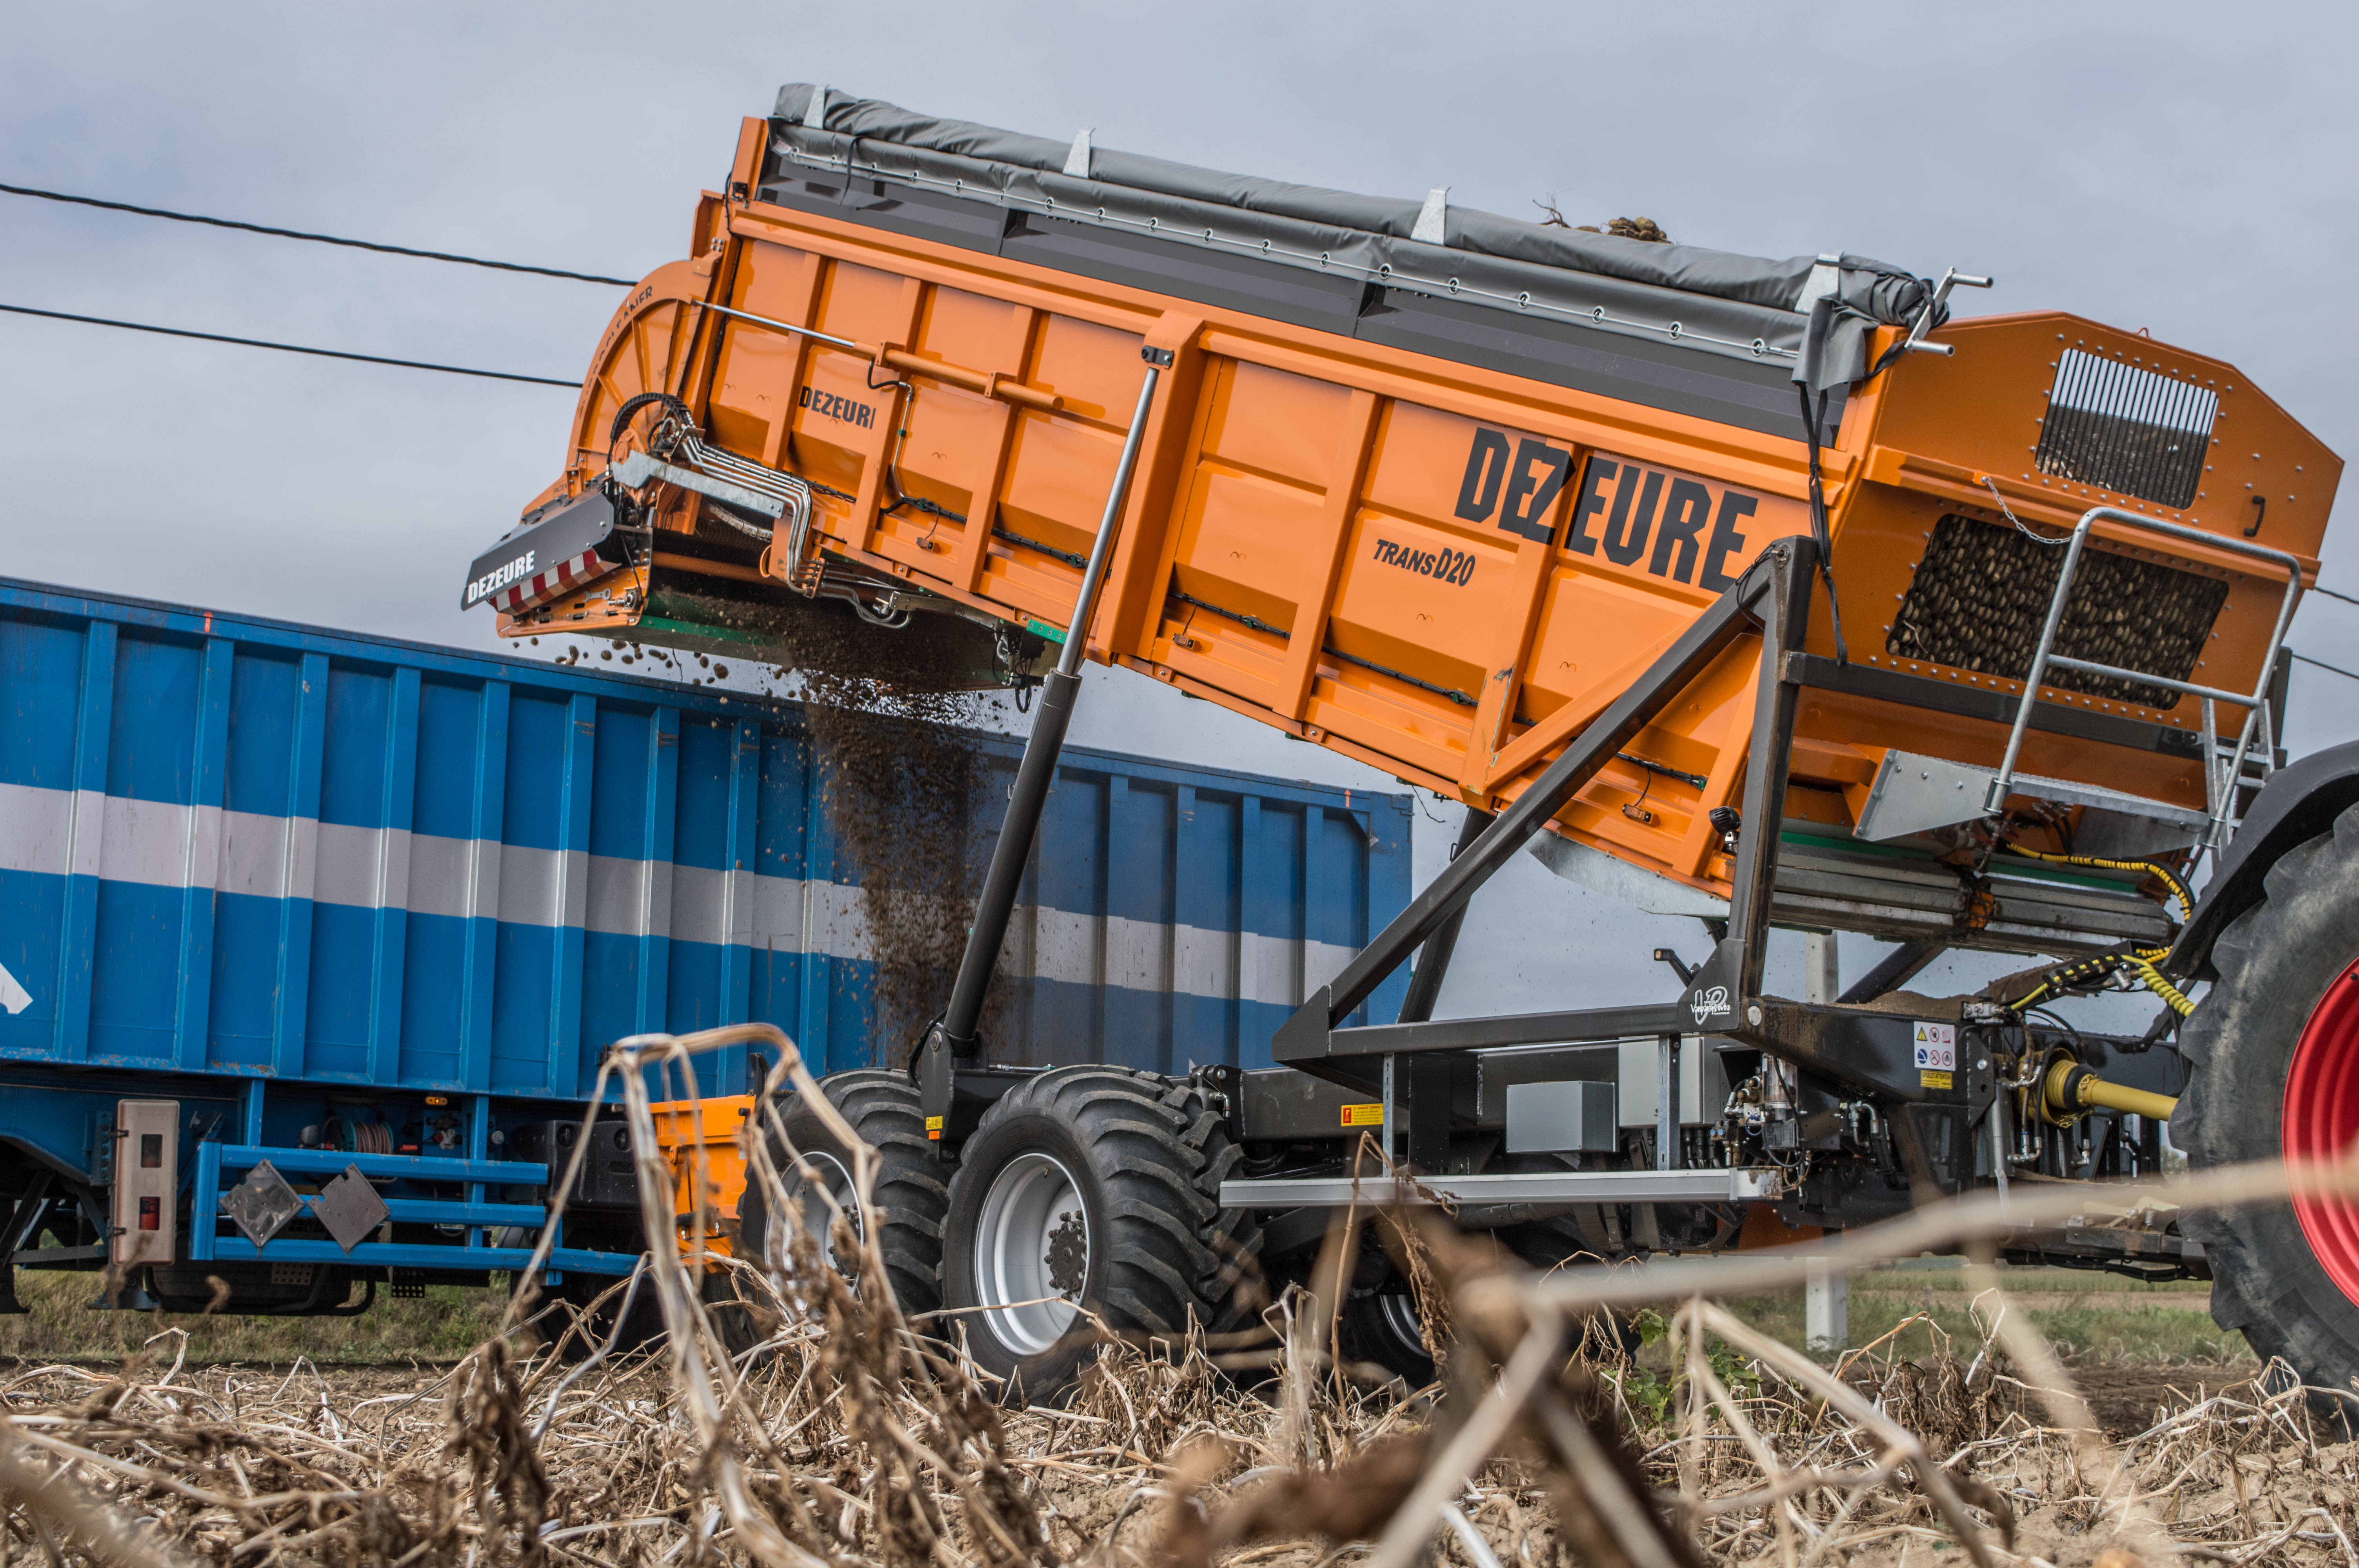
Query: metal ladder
2221,781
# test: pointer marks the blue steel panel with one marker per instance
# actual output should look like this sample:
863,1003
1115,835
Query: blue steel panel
620,781
560,1055
37,948
539,753
248,953
480,967
135,973
1383,889
420,1255
608,990
815,1008
208,777
435,997
1205,899
360,709
654,845
261,734
388,940
336,1020
427,1168
1069,862
151,752
693,989
1334,867
307,763
524,1011
707,774
1136,1013
41,693
78,923
449,736
732,984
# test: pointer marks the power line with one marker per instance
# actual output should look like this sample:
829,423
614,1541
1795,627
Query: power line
2323,664
288,348
316,239
2331,594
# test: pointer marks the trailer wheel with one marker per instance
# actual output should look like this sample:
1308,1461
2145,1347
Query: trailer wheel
911,1194
1383,1326
1090,1192
642,1326
2273,1063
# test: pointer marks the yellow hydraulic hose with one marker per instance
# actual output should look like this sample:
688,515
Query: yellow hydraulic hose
2072,1091
2140,961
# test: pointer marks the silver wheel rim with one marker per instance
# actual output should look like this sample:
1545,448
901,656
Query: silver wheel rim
830,1177
1031,1253
1399,1313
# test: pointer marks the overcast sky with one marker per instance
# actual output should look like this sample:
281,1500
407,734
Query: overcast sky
2181,167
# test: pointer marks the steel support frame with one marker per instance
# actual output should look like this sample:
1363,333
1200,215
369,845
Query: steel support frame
954,1081
1773,597
206,1243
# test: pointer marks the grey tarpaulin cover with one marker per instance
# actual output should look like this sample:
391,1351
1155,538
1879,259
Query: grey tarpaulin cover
1705,299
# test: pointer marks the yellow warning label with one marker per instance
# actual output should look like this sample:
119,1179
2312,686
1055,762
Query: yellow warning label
934,1127
1931,1080
1364,1116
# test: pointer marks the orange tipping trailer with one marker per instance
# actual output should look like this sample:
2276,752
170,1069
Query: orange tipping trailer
1440,566
1757,590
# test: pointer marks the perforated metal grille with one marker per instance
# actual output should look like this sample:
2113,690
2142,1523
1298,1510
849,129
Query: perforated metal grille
2127,430
1981,595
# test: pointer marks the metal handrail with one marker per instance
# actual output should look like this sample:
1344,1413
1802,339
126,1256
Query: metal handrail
2219,798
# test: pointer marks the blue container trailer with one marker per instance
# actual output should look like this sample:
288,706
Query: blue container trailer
270,892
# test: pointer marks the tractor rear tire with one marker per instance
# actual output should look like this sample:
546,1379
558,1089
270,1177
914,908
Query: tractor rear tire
2273,1060
1089,1192
911,1194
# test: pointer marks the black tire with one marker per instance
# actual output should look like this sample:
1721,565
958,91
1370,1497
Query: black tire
737,1323
1145,1156
2275,962
912,1189
1381,1325
642,1325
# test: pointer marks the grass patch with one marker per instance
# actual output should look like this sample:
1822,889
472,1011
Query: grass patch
2165,1323
444,1323
2042,1282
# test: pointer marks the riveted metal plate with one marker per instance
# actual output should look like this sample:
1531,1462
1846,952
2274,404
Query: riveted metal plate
350,1208
262,1205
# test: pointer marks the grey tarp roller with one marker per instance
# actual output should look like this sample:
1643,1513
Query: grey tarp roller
1713,301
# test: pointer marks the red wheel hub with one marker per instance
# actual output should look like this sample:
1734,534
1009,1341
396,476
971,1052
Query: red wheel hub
2321,1119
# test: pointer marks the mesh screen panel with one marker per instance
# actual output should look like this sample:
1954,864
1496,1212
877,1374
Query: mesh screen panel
1980,594
2126,429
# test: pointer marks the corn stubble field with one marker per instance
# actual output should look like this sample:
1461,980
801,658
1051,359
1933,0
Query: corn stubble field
848,1436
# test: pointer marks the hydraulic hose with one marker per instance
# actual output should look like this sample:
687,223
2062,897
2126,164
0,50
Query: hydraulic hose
2139,962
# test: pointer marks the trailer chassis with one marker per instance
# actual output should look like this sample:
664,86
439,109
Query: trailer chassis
1851,1112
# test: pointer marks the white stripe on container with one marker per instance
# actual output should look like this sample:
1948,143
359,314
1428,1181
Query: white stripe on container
157,844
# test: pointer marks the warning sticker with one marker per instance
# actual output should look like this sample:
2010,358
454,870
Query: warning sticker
1937,1048
934,1129
1932,1080
1364,1116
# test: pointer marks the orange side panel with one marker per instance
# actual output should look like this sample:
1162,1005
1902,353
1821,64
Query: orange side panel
1443,570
